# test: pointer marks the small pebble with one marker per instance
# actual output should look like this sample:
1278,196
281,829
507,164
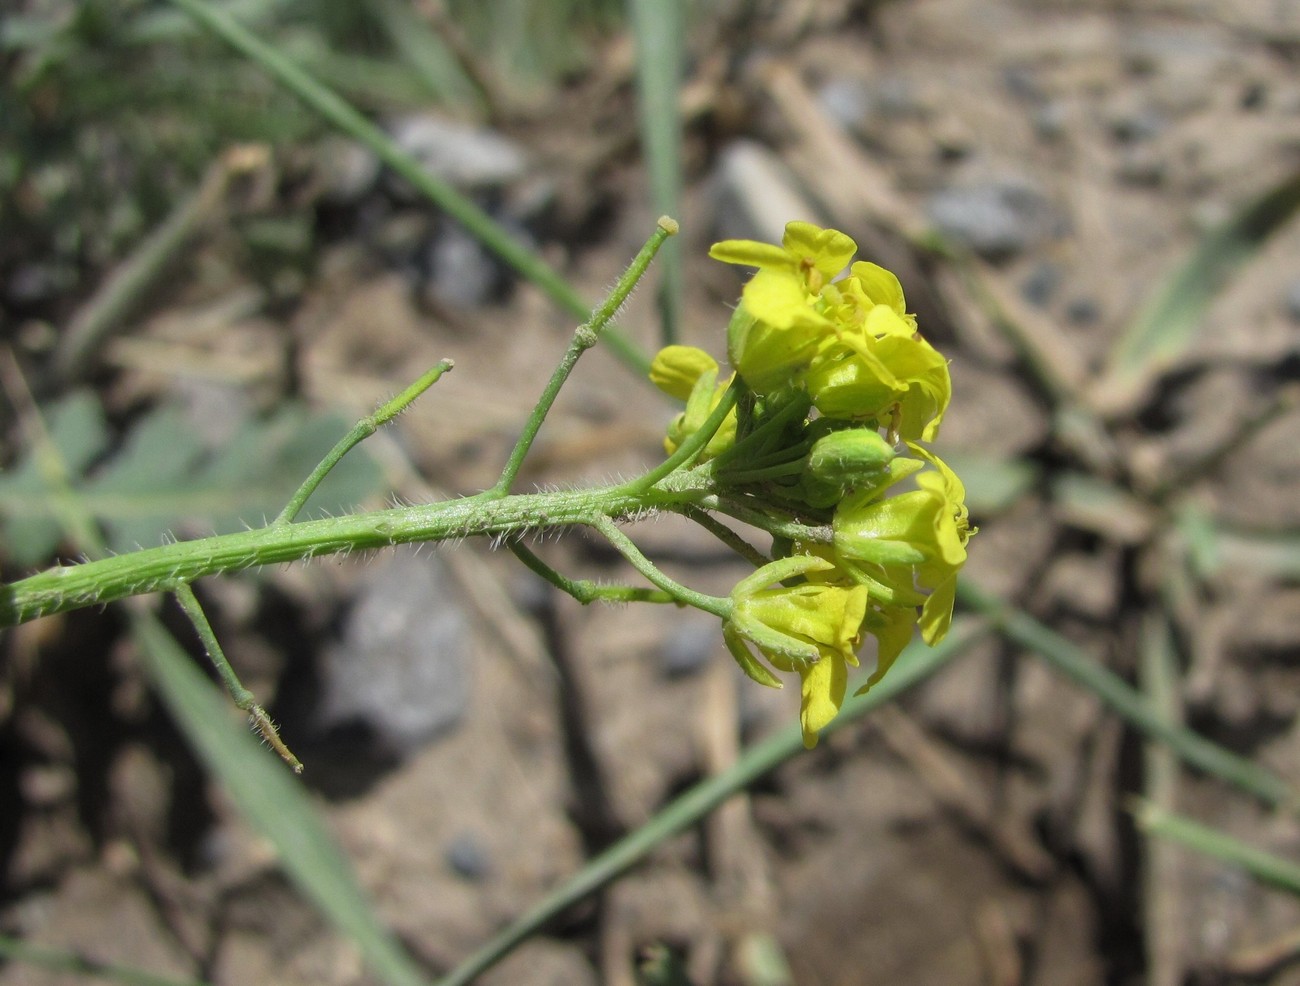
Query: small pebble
1143,167
1082,312
1049,121
467,857
469,157
997,219
847,101
1041,284
896,96
1137,125
346,170
461,273
1254,97
1020,81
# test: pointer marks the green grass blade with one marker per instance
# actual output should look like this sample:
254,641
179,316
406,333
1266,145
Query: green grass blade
61,960
1167,324
915,665
267,795
410,33
658,28
1127,702
1223,847
260,786
346,118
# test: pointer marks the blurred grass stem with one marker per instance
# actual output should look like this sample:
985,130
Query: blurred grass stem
345,117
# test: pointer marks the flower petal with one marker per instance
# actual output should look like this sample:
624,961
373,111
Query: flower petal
675,369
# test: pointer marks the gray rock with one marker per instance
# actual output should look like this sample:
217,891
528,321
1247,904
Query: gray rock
400,665
847,101
689,645
1141,166
755,194
896,96
461,272
1083,311
1050,120
471,158
1135,124
1040,285
346,170
997,219
1291,301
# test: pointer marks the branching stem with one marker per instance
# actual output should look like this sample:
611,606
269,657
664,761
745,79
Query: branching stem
584,590
362,430
627,548
157,569
584,338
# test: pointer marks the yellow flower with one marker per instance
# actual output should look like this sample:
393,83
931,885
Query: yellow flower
940,575
691,375
812,629
779,327
883,370
907,543
770,358
892,627
870,285
814,255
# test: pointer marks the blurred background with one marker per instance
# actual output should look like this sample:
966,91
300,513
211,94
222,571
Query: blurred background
204,281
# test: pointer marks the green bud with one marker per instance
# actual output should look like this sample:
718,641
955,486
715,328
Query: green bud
845,458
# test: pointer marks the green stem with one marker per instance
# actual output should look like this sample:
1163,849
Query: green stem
245,700
744,476
915,665
584,338
1156,821
627,548
343,116
724,534
157,569
792,529
362,430
1128,703
583,590
690,448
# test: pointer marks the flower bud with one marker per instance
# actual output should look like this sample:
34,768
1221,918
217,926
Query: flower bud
844,458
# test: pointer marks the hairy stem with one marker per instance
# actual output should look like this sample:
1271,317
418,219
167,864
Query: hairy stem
710,604
93,583
362,430
584,338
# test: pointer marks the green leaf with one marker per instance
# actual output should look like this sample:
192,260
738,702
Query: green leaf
1214,547
424,52
164,477
29,523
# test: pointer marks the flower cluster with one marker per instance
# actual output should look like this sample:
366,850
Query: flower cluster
837,394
